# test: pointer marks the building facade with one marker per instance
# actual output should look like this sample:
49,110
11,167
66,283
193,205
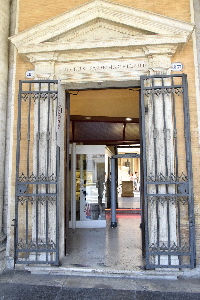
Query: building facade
140,60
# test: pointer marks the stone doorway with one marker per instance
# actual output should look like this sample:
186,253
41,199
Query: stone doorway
95,57
100,107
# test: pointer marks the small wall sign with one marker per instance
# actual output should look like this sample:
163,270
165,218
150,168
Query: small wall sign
30,74
176,66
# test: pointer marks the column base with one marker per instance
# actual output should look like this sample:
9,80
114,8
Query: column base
113,224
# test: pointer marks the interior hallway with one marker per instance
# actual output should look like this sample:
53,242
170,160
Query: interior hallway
129,202
107,248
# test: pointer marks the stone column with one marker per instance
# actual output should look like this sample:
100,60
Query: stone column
4,33
160,160
44,165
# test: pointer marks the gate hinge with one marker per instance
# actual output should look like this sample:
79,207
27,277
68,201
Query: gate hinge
48,135
19,136
38,135
28,136
21,189
175,133
185,133
155,133
165,133
15,223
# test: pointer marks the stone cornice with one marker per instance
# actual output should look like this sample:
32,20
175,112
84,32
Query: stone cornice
119,43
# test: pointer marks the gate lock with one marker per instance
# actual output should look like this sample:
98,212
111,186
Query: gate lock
183,188
21,189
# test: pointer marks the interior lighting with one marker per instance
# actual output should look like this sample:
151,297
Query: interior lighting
128,119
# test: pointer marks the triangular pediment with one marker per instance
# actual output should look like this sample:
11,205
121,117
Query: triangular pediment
101,23
99,29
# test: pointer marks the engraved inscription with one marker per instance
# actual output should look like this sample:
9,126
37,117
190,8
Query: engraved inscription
93,67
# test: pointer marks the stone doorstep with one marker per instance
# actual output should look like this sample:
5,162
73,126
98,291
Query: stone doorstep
170,274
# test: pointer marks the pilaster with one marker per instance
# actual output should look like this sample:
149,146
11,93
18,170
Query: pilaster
4,33
159,59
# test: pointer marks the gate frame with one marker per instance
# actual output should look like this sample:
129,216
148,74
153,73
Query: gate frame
63,90
23,183
191,217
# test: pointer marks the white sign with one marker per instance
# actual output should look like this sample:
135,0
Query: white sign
59,112
30,74
176,66
103,66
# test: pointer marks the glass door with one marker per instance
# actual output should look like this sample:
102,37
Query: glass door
89,172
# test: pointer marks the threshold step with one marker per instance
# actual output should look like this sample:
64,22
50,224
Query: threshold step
90,272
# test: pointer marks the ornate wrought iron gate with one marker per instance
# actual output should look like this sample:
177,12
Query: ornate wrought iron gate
37,173
166,150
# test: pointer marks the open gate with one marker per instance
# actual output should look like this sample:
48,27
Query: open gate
37,173
167,172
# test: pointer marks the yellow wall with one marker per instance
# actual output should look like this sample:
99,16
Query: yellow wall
37,11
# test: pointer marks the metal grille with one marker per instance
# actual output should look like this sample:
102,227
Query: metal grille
168,199
37,173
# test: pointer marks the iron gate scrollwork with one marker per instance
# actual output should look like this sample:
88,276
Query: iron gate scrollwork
167,169
37,173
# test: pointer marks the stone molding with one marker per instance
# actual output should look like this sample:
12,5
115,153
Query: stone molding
137,41
100,30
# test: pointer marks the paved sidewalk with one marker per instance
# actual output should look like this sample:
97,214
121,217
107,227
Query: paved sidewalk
17,285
